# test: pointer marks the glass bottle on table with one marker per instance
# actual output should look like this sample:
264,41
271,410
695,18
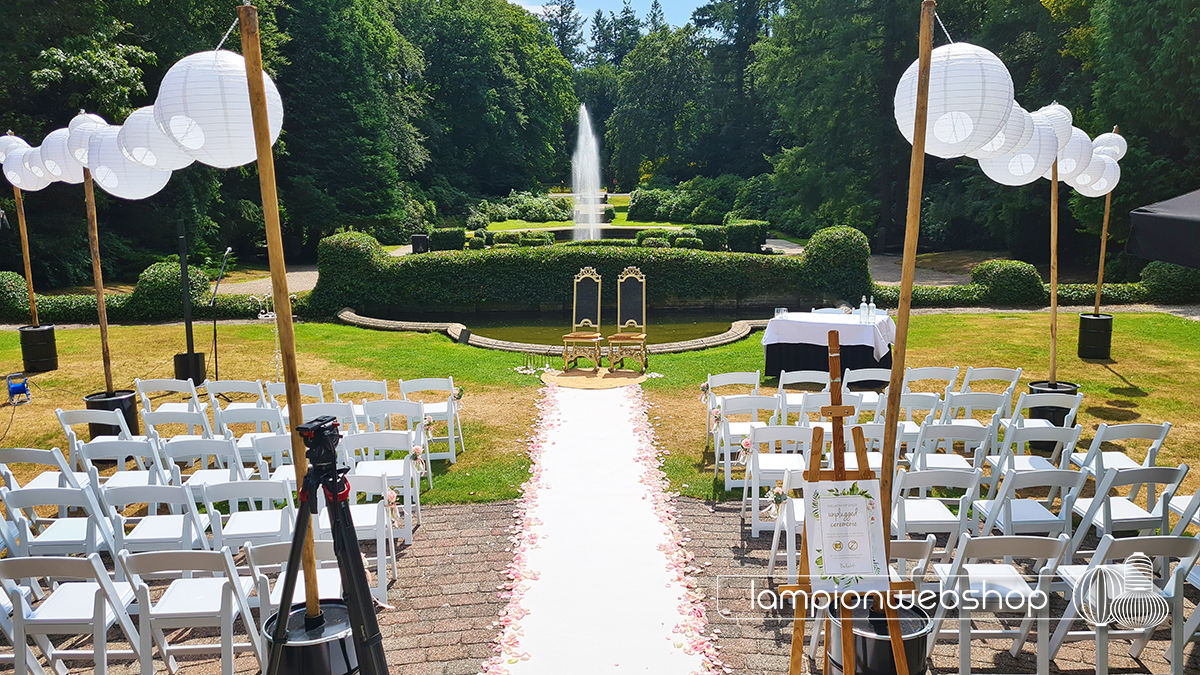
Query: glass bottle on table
871,310
862,310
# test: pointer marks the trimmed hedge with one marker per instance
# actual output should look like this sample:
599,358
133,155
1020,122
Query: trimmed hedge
656,242
1010,283
601,242
507,237
448,239
1171,284
931,296
688,242
714,237
746,236
643,235
1113,294
356,272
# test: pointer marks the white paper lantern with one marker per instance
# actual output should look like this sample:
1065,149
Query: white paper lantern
1017,132
85,118
1110,144
32,159
118,176
1105,181
56,155
18,175
1090,174
142,142
9,142
203,106
1059,118
1030,162
80,138
970,97
1074,158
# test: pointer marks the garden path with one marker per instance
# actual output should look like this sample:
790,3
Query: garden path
595,592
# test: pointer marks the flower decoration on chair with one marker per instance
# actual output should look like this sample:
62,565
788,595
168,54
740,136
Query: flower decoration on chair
717,416
778,498
457,398
744,453
704,393
393,507
427,422
418,460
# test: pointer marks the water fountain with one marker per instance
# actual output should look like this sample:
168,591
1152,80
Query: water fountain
585,180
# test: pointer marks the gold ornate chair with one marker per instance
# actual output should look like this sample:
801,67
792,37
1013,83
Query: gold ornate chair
629,342
584,339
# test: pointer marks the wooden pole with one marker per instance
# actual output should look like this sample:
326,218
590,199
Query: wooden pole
1054,275
252,51
89,198
1103,244
916,178
33,315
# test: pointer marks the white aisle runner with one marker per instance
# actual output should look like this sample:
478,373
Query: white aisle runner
603,600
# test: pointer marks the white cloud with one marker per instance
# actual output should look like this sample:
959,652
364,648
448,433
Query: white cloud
535,9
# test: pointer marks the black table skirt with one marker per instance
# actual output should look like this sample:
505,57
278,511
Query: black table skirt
788,356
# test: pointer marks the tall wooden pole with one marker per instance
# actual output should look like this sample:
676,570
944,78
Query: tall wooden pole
89,198
1103,243
1054,274
33,315
916,179
252,51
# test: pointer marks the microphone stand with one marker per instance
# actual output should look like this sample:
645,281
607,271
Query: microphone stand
211,304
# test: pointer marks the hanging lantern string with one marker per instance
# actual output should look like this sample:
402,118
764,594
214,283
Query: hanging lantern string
226,37
939,20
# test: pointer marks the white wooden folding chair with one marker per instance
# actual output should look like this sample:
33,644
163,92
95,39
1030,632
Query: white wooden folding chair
729,441
193,601
932,437
147,469
938,374
1012,514
921,502
873,439
788,525
343,412
278,451
813,380
916,409
71,419
268,517
1110,512
713,399
397,415
261,422
183,527
374,520
267,560
1007,377
89,605
439,410
1026,402
765,465
6,629
1012,456
168,387
48,536
226,389
857,376
1097,460
57,474
365,453
961,408
224,453
343,391
1000,587
275,390
193,421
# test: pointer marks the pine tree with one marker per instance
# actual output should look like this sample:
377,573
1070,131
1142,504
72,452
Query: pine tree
566,26
654,18
600,51
626,31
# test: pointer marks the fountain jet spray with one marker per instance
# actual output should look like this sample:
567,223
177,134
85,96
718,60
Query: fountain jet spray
585,179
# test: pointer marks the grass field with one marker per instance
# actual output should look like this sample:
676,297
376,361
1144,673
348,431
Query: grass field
1151,379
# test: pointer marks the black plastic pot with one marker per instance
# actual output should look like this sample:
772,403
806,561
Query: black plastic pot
190,367
38,348
1057,416
121,399
1095,336
873,645
328,650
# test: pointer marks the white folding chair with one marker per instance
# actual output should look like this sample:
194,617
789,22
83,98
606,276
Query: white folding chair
268,559
857,376
343,387
931,373
1013,457
960,409
1109,512
916,409
828,310
814,379
373,521
1000,587
192,421
182,528
58,474
1008,377
278,451
262,422
46,536
410,414
90,605
343,412
788,525
223,451
921,502
765,465
976,444
1097,460
1013,514
713,399
70,419
1026,402
873,439
729,442
6,629
168,387
192,601
225,389
148,467
365,455
278,389
268,518
439,410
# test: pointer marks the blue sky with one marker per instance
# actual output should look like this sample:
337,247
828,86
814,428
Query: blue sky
677,11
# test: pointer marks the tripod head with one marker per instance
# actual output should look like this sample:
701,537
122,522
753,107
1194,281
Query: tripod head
321,438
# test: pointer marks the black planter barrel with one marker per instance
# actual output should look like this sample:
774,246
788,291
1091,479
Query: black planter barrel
1056,415
328,650
38,348
873,645
121,399
1095,336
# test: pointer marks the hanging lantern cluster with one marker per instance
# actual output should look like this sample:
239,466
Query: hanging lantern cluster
202,114
972,114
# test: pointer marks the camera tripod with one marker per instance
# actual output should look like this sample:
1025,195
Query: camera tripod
320,436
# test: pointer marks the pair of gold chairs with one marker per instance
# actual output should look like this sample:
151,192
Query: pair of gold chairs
629,342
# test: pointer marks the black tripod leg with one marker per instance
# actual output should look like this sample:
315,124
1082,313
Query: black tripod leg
303,517
359,603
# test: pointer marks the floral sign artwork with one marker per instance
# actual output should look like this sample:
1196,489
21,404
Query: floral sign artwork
845,536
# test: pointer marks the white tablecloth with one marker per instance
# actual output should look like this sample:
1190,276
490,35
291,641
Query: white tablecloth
813,329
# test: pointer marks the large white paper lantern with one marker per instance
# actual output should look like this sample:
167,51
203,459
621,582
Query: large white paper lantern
118,176
56,155
1074,158
18,175
203,105
1030,162
1105,181
32,159
80,138
85,118
142,142
1090,174
1059,118
9,142
970,97
1111,144
1017,131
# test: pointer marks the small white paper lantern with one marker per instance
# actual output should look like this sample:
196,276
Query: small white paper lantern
56,155
118,176
970,97
1030,162
1017,132
18,175
9,142
85,118
1111,144
203,106
1074,158
142,142
1105,181
32,159
80,138
1059,118
1090,174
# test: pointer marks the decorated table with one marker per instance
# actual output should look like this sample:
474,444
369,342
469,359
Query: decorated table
798,341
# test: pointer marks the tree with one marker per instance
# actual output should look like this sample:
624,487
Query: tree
567,28
626,31
600,51
654,18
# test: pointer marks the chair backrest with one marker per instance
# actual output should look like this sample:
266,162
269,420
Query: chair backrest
1048,551
258,495
138,565
277,389
1069,401
445,384
1154,433
936,478
631,300
270,558
791,439
855,375
817,377
749,405
813,401
585,307
1065,438
1009,376
873,436
367,485
970,402
114,497
217,388
276,448
1068,485
270,419
52,458
941,374
169,386
344,412
912,402
745,378
224,451
378,413
72,418
189,418
377,387
977,441
374,445
913,556
1185,549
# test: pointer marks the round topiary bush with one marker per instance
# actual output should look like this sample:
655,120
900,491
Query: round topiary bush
689,242
1168,283
158,295
643,235
476,243
655,242
839,257
1009,283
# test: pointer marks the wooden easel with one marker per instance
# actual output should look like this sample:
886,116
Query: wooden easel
813,474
